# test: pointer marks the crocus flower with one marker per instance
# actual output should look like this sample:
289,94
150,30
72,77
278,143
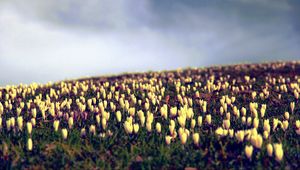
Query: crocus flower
64,132
249,151
278,151
12,122
270,150
173,111
92,129
285,124
255,122
128,127
219,131
149,126
208,119
286,115
29,144
119,116
275,123
56,125
104,123
8,124
70,122
98,119
29,127
20,122
158,127
193,123
240,135
168,140
196,138
199,121
183,138
292,105
257,141
297,124
135,128
226,123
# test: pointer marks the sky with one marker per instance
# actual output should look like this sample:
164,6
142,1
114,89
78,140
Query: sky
55,40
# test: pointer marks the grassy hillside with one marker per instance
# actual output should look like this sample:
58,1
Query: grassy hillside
239,116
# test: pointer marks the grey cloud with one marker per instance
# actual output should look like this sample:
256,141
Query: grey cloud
54,40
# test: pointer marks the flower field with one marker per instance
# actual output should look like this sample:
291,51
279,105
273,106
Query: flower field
221,117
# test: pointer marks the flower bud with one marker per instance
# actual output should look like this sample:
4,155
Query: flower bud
70,122
29,127
168,140
249,151
92,129
56,125
29,144
226,123
20,122
278,151
285,124
199,121
208,119
286,115
196,138
158,127
183,138
104,123
128,127
64,132
119,116
270,150
149,126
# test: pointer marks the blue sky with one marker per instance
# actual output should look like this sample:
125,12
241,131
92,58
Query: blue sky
43,41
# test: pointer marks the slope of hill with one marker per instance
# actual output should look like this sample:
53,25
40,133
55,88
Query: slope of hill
238,116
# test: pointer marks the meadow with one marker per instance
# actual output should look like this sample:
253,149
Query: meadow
244,116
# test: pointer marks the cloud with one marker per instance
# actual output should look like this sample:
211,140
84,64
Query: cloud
54,40
40,52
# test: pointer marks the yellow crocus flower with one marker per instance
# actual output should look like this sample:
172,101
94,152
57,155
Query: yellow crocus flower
285,124
297,124
240,135
56,125
64,133
128,127
173,111
98,119
199,121
158,127
135,128
193,123
183,138
20,122
219,131
104,123
119,116
255,122
29,127
168,139
249,151
286,115
70,122
149,126
270,150
196,138
226,124
278,151
92,129
29,144
208,119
